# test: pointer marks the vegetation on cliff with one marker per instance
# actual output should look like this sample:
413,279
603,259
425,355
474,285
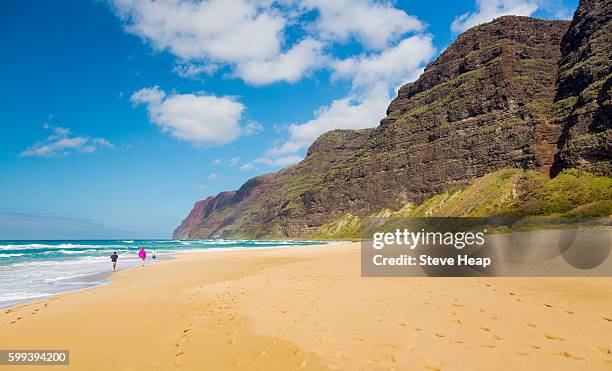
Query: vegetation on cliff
507,192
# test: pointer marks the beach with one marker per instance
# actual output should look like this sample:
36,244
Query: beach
308,307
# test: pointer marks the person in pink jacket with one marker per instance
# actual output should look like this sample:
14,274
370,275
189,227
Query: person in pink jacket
142,254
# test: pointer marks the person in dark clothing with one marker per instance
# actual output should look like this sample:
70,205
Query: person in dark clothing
114,258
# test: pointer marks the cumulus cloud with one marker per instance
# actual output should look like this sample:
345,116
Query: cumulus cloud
213,176
373,23
289,66
224,30
62,143
200,119
487,10
249,35
391,66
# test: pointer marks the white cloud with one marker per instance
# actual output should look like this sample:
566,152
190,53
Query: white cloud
247,167
201,119
201,187
289,66
61,143
233,161
374,23
223,30
213,176
487,10
249,35
252,128
216,161
102,142
195,70
391,66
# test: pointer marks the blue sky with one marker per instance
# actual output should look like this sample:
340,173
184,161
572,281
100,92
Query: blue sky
124,113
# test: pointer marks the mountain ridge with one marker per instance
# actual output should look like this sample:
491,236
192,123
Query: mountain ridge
489,101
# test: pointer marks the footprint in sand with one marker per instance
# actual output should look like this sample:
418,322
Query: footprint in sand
568,355
547,305
18,318
439,335
607,319
552,337
521,353
535,346
491,346
484,328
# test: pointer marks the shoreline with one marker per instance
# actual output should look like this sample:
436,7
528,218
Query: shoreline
287,308
102,278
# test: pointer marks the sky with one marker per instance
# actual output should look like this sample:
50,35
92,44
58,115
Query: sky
118,115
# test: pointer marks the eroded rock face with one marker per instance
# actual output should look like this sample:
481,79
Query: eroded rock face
583,96
201,211
488,102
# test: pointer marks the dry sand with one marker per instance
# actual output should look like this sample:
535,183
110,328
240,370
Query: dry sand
309,308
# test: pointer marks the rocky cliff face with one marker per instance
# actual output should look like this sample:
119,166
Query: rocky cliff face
583,100
490,101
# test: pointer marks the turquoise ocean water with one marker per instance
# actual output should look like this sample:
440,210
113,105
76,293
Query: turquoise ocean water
35,269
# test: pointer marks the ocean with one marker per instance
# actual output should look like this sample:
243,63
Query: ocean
35,269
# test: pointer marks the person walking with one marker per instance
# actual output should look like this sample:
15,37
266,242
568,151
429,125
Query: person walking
142,254
114,258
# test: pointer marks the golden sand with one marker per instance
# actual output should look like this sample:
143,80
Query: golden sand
309,308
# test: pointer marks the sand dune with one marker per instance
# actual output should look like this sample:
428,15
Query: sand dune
309,308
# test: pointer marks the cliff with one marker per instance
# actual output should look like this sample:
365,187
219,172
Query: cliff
494,99
583,99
